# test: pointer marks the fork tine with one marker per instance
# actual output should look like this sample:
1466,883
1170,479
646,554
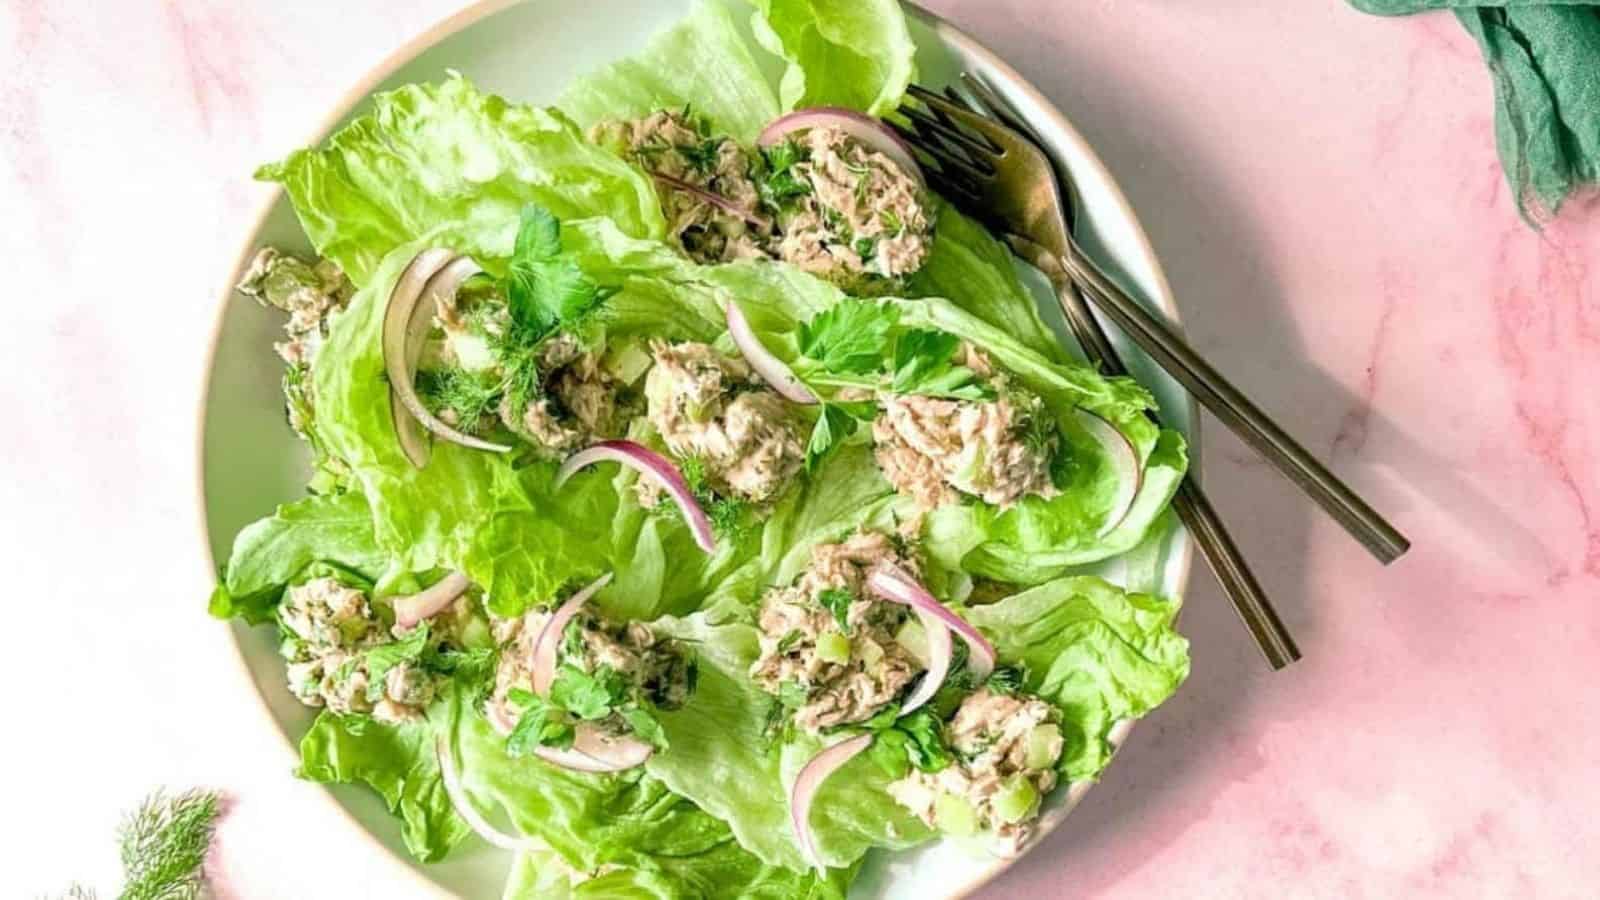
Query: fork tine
937,102
965,196
994,106
947,162
978,149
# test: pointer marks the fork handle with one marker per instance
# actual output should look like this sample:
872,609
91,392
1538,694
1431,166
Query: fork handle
1235,410
1193,509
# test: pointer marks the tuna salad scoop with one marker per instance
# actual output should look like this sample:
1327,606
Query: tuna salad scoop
308,292
936,450
711,408
602,677
829,651
706,183
847,213
558,396
1005,749
329,629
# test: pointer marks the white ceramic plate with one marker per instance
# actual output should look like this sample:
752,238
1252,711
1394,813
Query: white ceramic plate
250,462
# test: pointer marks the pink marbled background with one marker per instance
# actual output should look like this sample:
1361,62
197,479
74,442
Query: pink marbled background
1322,189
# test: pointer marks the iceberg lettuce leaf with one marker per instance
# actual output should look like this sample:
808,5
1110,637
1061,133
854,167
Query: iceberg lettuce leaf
396,761
1100,654
853,53
451,161
702,63
269,553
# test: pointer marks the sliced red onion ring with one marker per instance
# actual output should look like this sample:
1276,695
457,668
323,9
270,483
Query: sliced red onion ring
715,199
464,808
548,643
648,462
891,583
594,751
939,653
771,369
1124,459
864,128
413,608
405,327
811,777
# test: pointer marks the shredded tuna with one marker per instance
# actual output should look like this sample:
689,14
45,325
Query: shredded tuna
989,735
709,407
793,618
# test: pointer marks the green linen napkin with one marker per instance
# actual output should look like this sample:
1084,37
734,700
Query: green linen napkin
1545,59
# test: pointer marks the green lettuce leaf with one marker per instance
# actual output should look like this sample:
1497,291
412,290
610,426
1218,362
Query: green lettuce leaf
396,761
450,161
854,53
1037,538
664,845
973,270
720,755
1098,653
702,63
269,553
497,517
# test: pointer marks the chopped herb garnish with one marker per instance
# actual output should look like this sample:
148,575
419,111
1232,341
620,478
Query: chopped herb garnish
588,696
851,337
1007,679
701,157
837,601
792,694
541,725
924,363
470,396
383,658
788,641
645,725
837,422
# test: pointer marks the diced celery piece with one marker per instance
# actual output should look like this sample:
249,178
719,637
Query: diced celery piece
1044,746
833,647
1017,800
954,815
912,637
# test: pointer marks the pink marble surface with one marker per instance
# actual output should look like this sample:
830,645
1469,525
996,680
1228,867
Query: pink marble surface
1323,192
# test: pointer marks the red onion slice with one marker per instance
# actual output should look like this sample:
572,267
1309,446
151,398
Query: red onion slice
771,369
464,808
811,777
891,583
864,128
648,462
594,751
413,608
405,327
939,653
545,647
1124,459
715,199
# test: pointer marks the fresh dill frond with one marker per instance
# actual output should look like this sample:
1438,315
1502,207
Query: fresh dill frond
164,844
728,518
694,472
469,396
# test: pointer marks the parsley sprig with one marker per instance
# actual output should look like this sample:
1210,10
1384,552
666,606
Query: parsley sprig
861,341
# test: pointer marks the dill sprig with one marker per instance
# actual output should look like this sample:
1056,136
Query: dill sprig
164,844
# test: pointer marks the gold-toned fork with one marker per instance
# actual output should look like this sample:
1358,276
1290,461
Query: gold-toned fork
988,167
995,174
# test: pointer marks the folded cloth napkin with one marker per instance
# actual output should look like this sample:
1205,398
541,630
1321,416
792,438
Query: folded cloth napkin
1545,59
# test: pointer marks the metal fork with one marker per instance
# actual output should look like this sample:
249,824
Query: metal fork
1027,203
997,174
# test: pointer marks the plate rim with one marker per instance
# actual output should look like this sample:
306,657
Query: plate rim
357,93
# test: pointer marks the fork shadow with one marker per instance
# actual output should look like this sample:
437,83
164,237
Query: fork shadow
1219,261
